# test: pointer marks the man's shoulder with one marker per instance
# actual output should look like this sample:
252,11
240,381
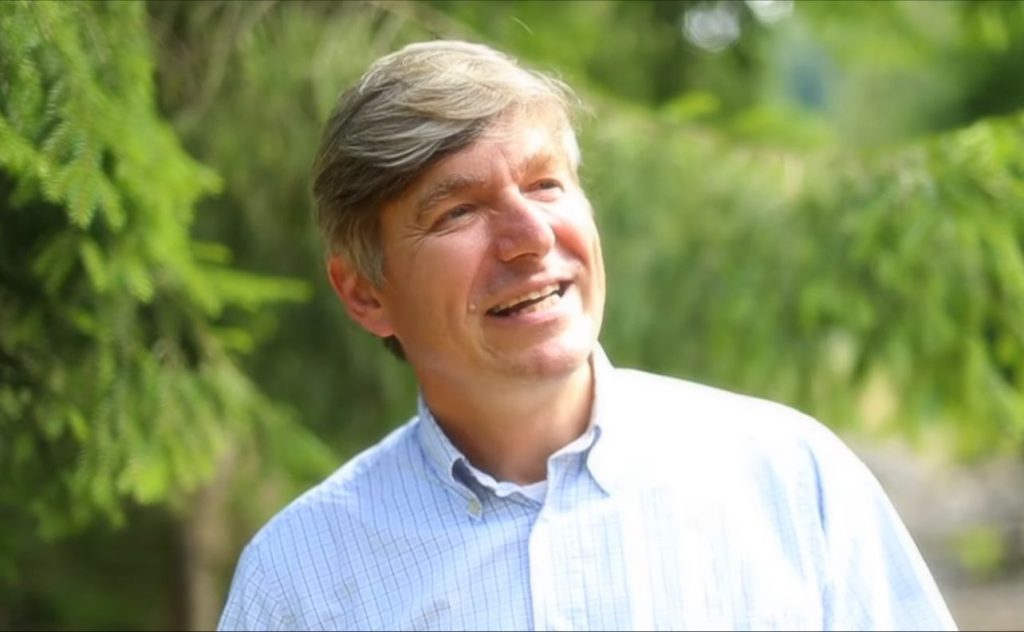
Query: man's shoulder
734,445
689,405
350,496
683,418
327,542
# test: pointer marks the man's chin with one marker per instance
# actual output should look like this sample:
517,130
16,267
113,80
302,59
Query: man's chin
552,359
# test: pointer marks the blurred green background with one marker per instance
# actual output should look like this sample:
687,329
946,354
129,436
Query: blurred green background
819,203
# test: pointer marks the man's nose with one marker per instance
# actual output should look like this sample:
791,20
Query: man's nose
522,228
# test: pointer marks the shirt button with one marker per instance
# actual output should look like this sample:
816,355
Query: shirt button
474,507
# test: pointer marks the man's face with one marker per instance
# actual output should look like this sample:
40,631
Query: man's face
492,260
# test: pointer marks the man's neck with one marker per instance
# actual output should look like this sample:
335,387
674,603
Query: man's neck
509,428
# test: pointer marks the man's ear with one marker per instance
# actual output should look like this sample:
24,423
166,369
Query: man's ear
360,297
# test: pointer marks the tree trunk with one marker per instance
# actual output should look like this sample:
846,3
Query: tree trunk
205,538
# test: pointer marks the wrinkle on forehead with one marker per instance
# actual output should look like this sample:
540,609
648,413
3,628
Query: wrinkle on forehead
539,149
544,124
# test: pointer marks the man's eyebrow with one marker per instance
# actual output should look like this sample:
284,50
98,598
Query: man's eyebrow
444,188
458,182
539,160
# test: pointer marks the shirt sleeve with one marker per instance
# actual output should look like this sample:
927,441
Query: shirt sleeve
876,578
254,601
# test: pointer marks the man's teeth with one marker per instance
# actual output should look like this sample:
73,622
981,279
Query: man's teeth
548,293
539,305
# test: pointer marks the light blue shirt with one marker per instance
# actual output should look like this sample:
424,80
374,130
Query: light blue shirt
681,507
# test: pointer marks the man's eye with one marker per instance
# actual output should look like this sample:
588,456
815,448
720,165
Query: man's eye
547,183
456,213
546,189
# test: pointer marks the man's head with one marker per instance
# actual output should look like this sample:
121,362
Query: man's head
411,108
455,130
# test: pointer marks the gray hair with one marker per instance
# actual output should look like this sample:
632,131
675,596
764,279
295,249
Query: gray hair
410,109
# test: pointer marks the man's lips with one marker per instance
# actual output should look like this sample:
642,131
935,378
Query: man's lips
549,292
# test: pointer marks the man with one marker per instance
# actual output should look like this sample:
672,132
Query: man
539,487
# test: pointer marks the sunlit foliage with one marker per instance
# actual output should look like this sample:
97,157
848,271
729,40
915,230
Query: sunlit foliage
119,329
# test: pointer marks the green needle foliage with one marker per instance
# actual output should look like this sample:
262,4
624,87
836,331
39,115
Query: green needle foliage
118,331
924,268
815,277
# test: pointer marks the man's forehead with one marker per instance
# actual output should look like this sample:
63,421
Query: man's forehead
525,142
527,138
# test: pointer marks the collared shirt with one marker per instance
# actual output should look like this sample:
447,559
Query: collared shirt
680,507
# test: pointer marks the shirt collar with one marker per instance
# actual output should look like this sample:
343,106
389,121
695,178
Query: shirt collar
442,454
606,415
599,440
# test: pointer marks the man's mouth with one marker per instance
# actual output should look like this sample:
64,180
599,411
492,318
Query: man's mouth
531,302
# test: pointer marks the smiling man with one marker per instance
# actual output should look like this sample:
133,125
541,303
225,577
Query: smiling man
538,487
493,285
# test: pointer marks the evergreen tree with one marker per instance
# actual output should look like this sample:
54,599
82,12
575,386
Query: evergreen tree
119,332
